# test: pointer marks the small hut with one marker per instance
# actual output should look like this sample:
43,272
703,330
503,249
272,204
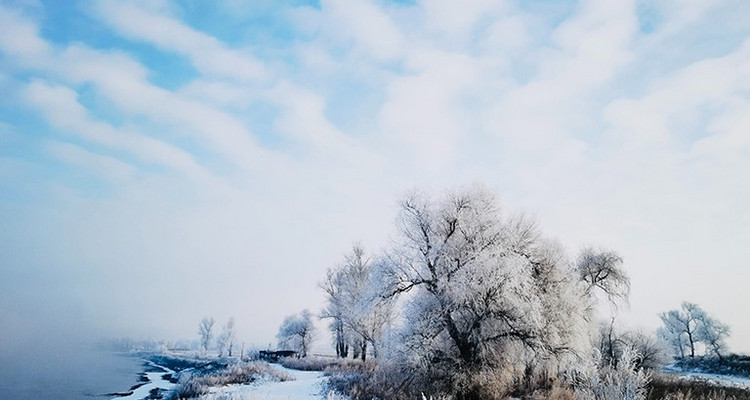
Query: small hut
275,355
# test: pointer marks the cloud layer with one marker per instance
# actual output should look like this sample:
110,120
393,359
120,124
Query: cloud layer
216,161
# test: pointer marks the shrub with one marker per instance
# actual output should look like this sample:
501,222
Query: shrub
313,363
366,381
620,382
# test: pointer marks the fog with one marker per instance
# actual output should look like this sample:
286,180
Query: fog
82,273
63,367
92,271
49,333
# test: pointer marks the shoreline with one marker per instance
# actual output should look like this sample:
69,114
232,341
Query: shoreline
155,382
159,375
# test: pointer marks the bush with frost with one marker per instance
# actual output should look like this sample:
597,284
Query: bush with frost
623,381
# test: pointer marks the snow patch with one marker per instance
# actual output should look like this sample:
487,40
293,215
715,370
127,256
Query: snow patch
307,385
155,381
714,379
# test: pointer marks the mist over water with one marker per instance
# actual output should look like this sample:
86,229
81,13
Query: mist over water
75,373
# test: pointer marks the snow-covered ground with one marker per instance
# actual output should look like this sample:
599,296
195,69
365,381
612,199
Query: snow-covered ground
307,385
155,380
721,380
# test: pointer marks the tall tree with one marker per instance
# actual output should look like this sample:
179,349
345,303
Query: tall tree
689,325
713,334
355,302
335,310
297,332
205,331
602,269
647,351
684,324
484,285
225,340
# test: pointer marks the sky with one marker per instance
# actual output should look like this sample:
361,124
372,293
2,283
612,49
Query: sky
162,161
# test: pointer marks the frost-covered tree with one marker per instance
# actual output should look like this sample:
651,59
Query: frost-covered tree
340,338
713,334
683,326
611,344
646,351
297,332
483,287
359,313
689,325
671,334
602,270
225,341
205,332
334,311
650,352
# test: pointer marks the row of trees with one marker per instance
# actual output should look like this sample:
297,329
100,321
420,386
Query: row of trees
689,327
357,310
468,299
225,340
472,291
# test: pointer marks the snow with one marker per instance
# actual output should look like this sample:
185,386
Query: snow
155,380
307,385
715,379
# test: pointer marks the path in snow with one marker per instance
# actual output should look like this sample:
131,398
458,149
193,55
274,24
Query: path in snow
155,380
307,385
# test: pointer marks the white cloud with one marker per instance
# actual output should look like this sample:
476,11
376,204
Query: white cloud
20,38
595,43
60,106
110,167
208,54
357,24
457,24
423,109
303,118
670,113
122,81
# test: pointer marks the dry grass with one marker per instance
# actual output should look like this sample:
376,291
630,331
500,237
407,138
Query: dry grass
313,363
256,396
664,387
369,381
556,392
364,381
194,385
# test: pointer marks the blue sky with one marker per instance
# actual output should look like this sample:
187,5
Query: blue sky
182,157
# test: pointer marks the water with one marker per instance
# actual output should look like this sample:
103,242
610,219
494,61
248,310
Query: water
67,375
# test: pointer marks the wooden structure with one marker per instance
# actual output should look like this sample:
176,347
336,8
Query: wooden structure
274,356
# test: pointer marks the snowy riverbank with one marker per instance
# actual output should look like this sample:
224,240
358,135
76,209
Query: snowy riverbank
712,379
156,383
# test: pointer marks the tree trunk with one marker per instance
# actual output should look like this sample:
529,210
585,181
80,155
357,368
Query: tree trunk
464,347
682,348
